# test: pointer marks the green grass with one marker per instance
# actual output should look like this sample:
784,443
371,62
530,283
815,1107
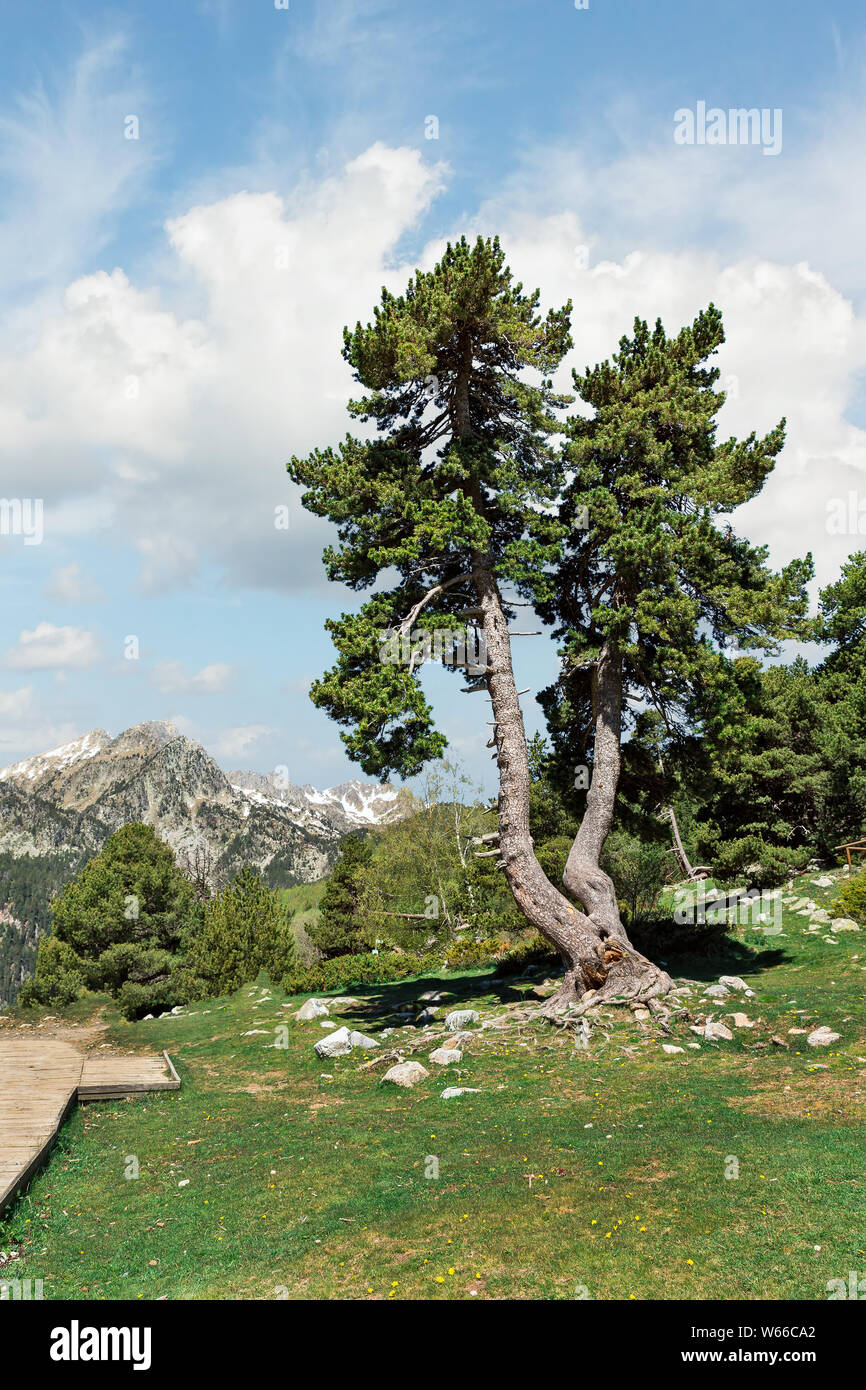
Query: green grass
302,1186
303,901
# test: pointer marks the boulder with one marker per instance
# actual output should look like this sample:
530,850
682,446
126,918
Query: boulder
669,1047
460,1018
314,1008
822,1037
361,1040
717,1032
446,1056
734,983
718,991
742,1021
334,1044
452,1092
843,924
406,1074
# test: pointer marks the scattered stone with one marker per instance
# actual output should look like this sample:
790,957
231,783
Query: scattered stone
345,1001
733,982
314,1008
406,1074
822,1037
427,1016
843,924
327,1023
823,882
641,1013
334,1044
718,991
798,1032
445,1056
742,1021
452,1092
669,1047
780,1042
459,1018
361,1040
717,1032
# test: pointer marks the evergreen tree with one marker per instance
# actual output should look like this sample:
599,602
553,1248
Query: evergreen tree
651,592
339,930
243,930
123,919
462,493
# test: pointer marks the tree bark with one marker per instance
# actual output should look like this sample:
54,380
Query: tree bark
600,961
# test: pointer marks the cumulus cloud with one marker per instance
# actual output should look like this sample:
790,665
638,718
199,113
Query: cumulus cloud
235,742
171,677
49,647
172,431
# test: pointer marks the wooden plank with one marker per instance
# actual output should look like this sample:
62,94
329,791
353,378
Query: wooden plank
41,1079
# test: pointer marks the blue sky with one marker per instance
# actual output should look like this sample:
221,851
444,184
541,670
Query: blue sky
173,303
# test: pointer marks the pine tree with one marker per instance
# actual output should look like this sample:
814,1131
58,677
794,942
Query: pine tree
245,929
462,494
651,592
123,919
338,930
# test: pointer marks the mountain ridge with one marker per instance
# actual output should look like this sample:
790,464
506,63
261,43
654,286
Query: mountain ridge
72,797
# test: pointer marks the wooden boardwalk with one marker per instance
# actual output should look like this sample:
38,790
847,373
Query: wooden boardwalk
41,1079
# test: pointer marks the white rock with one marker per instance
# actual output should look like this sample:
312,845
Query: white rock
314,1008
669,1047
459,1018
334,1045
718,991
718,1032
733,982
327,1023
742,1021
843,924
361,1040
445,1056
406,1074
452,1092
824,882
822,1037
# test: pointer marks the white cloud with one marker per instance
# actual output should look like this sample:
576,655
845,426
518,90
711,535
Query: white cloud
235,742
69,584
25,728
67,166
171,677
175,430
47,647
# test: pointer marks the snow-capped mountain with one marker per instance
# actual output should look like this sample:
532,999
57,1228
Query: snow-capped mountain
72,798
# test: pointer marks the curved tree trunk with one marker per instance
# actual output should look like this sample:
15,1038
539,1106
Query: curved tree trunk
600,962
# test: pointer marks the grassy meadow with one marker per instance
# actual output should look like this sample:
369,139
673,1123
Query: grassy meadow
568,1172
